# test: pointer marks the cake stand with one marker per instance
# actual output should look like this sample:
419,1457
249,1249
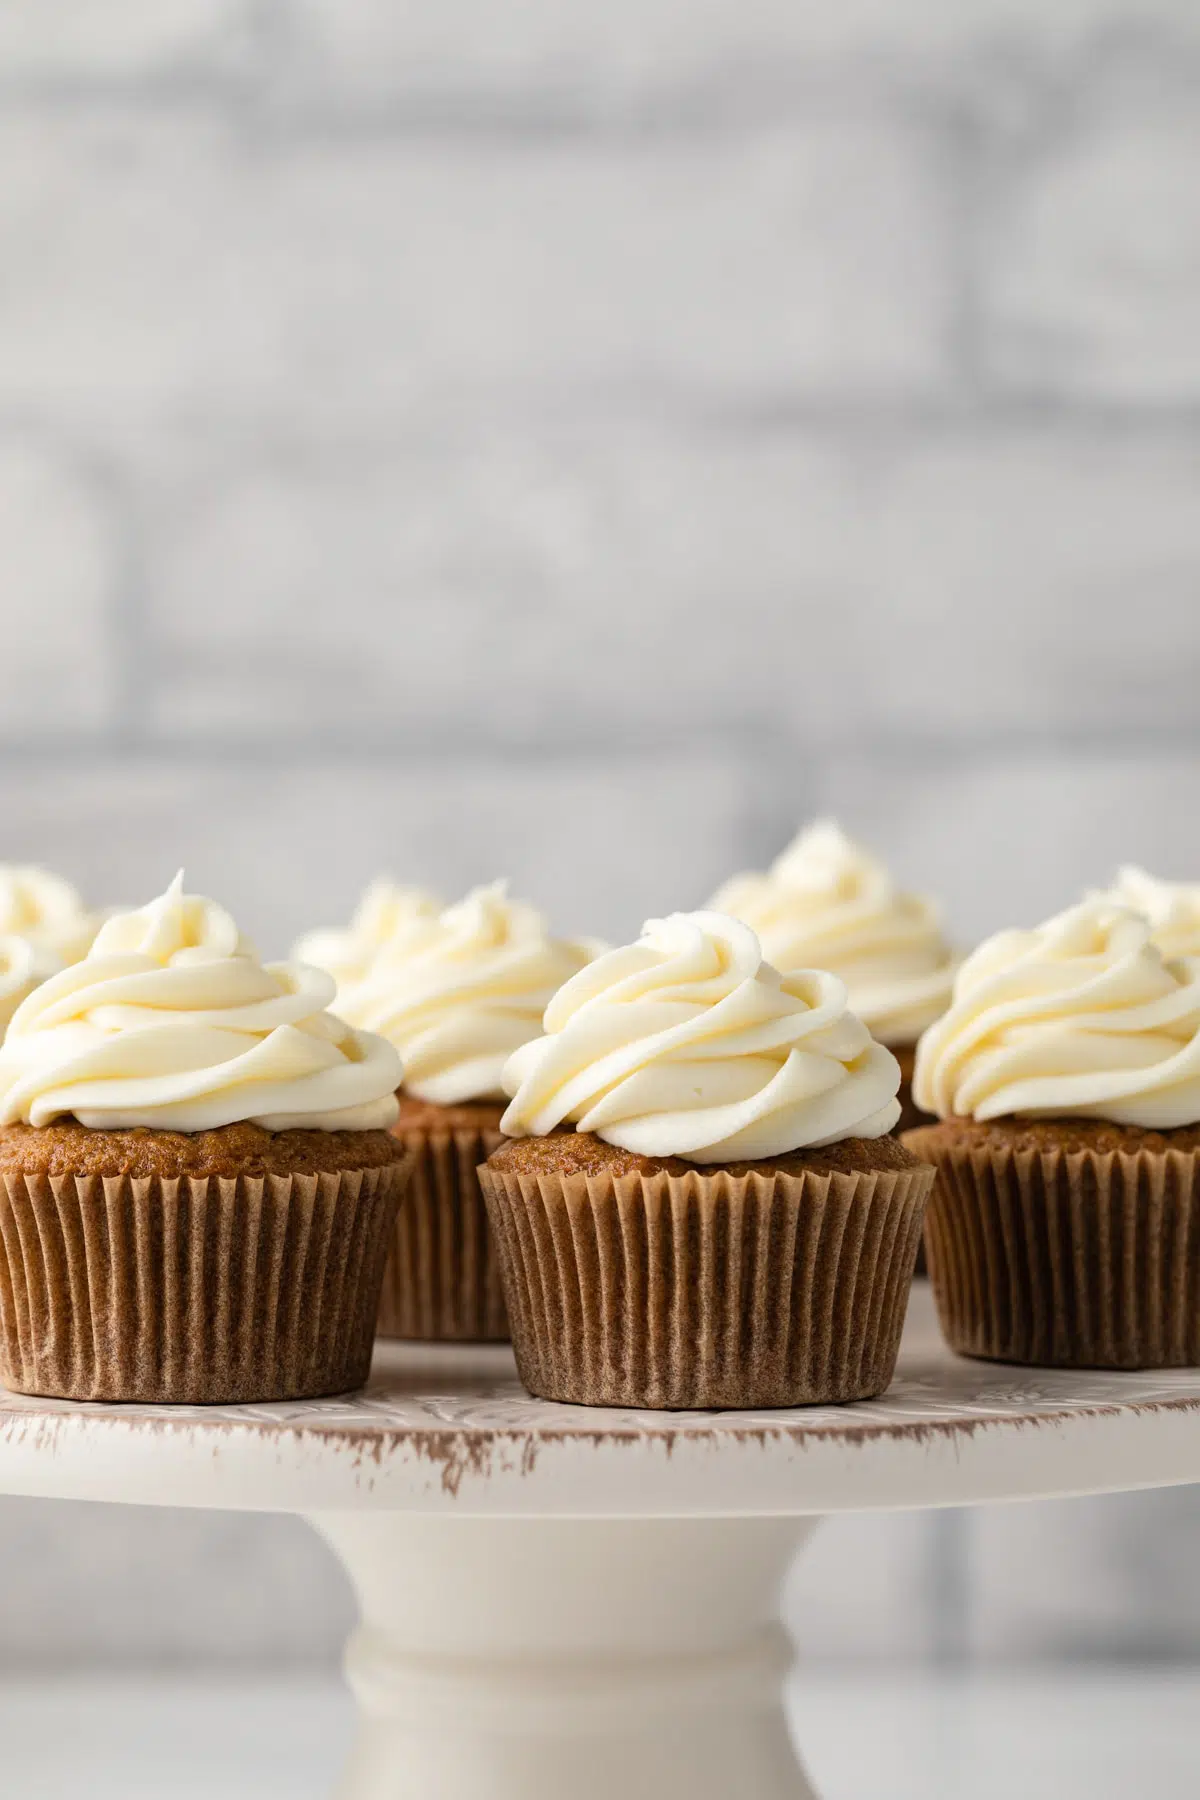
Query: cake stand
566,1604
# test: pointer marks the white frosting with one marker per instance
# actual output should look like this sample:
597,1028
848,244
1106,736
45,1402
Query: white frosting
23,966
1172,907
1079,1018
826,904
386,907
47,910
458,993
171,1022
688,1044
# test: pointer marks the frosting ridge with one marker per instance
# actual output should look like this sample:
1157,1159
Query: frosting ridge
172,1022
1081,1017
689,1044
826,904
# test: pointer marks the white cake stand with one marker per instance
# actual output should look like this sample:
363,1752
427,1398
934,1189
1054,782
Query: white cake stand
565,1604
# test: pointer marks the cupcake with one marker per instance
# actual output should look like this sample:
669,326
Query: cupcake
197,1179
456,994
1065,1226
826,904
347,951
728,1221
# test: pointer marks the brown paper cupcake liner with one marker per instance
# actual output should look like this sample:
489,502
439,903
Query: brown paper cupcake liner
197,1289
707,1290
910,1117
442,1280
1081,1259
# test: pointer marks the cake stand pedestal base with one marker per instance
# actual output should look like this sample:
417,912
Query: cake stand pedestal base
575,1603
568,1659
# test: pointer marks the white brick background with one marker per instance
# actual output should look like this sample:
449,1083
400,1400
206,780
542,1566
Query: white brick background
580,442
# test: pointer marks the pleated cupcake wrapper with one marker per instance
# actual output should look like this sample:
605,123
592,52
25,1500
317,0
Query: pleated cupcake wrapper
192,1290
707,1290
442,1280
910,1117
1077,1259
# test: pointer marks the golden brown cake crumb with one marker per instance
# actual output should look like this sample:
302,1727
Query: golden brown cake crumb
582,1153
468,1115
1051,1134
69,1148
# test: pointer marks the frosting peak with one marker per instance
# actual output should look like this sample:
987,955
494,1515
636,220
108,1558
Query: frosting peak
174,928
459,991
171,1022
688,1044
1172,907
385,908
1081,1017
47,910
825,903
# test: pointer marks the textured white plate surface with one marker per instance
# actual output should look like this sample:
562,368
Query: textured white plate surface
451,1430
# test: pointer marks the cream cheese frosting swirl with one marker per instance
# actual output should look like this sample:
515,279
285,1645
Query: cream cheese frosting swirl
172,1022
688,1044
45,909
385,908
1172,907
826,904
1080,1018
458,993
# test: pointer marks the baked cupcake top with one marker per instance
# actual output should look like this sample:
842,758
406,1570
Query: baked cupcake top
458,992
347,951
1172,907
826,904
689,1044
171,1022
47,910
1080,1018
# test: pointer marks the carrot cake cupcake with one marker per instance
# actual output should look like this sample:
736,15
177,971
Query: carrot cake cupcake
1065,1226
197,1177
702,1205
456,994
